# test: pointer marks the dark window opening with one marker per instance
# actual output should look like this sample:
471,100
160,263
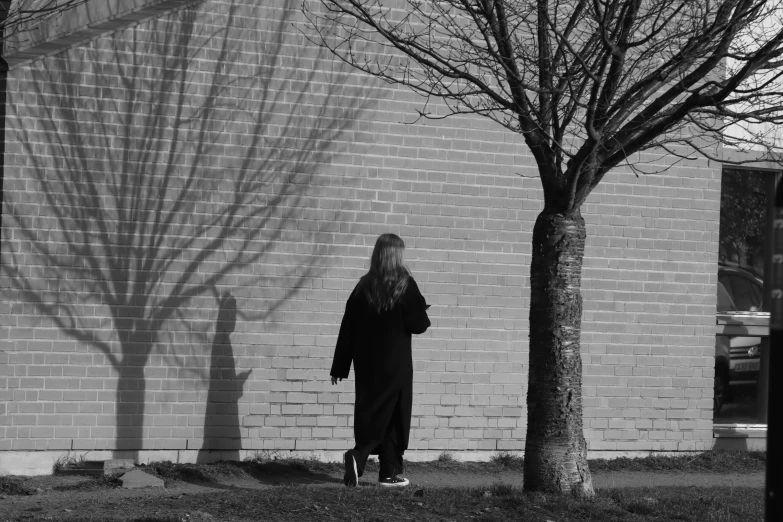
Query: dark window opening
739,386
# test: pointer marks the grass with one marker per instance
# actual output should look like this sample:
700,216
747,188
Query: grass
299,501
708,461
210,473
276,464
15,486
92,484
495,504
446,456
68,460
721,504
508,460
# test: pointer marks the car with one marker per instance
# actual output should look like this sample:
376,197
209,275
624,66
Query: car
737,359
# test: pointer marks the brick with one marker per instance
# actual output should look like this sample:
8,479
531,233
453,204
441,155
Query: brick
463,193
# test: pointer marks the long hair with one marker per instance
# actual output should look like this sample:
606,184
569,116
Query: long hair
388,277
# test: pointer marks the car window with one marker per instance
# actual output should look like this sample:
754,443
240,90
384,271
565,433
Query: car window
758,295
742,292
725,302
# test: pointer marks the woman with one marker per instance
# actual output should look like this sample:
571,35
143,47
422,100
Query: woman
383,311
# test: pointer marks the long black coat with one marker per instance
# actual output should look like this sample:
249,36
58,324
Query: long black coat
379,345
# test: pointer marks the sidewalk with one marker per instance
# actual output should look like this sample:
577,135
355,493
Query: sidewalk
601,480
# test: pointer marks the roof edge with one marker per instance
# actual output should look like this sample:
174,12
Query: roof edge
81,24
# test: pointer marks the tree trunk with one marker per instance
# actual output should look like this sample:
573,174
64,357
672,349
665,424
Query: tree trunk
555,448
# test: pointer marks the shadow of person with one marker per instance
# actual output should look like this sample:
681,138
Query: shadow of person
222,435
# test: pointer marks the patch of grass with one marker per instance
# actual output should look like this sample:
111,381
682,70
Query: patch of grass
120,518
15,486
642,506
262,459
508,460
276,463
718,504
92,483
69,460
502,490
212,472
446,456
712,461
442,465
300,503
313,465
172,518
708,461
260,466
264,456
498,502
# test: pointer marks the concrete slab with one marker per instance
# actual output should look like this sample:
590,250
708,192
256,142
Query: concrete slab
138,479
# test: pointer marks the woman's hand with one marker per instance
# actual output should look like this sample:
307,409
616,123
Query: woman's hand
334,380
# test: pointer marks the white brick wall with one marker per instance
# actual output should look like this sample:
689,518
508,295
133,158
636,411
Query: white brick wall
648,326
257,101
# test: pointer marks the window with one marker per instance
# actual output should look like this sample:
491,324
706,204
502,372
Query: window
743,320
745,294
743,219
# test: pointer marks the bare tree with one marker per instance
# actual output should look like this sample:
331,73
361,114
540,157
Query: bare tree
588,84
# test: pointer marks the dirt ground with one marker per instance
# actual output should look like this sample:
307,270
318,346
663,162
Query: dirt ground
56,497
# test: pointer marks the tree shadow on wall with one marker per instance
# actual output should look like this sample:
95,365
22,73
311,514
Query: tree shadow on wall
221,420
154,166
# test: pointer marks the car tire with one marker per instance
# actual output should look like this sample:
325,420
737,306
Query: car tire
720,390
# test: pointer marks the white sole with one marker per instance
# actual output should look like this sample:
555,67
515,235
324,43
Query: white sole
395,485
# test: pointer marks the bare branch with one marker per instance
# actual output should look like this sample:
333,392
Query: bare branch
587,83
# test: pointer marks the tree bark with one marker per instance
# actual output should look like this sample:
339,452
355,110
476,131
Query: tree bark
555,448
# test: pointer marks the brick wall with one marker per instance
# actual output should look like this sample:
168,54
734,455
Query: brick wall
648,330
156,172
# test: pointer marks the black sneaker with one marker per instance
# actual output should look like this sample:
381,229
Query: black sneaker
393,482
351,478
